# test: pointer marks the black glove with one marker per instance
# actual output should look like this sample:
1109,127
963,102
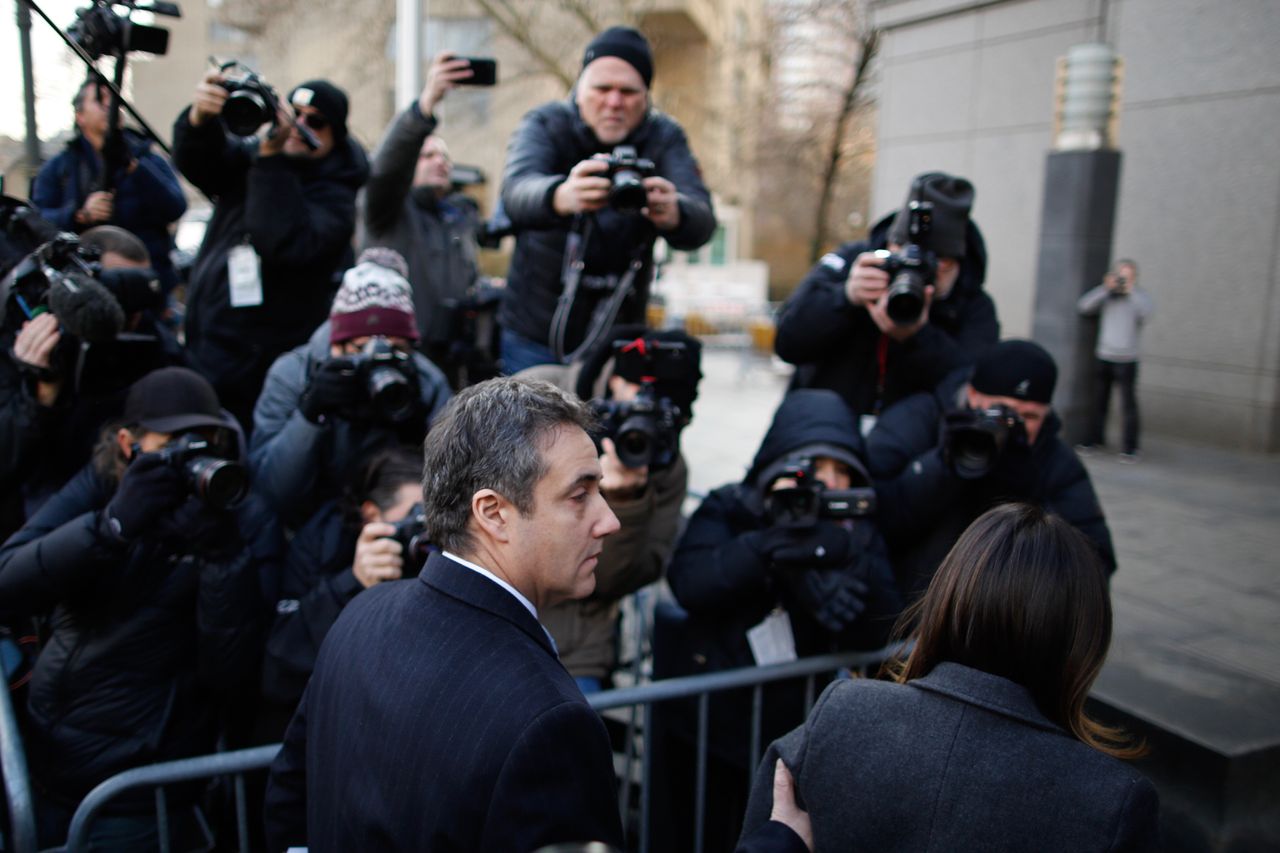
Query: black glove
834,597
150,486
333,387
195,527
825,545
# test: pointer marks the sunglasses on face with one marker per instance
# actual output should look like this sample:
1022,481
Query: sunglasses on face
315,121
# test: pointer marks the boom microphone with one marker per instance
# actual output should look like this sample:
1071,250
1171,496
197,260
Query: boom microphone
85,308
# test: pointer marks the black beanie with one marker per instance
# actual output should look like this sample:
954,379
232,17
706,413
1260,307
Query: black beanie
328,99
1019,369
952,199
626,44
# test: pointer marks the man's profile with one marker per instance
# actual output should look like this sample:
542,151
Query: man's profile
439,716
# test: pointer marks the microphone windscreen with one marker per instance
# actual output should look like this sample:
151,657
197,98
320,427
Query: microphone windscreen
86,308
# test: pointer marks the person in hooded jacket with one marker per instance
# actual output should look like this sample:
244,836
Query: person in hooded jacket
836,328
750,571
152,595
555,191
281,229
934,472
317,422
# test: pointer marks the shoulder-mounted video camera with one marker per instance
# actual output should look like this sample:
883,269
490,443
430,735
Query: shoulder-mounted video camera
975,438
807,502
627,172
913,268
101,31
646,430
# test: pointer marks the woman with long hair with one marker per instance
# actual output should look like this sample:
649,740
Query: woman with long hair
981,741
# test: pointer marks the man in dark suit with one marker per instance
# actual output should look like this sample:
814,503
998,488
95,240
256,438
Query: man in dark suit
438,716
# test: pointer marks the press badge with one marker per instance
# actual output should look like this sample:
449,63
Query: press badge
772,640
244,276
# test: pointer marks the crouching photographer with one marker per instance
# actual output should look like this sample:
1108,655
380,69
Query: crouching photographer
988,435
788,563
642,383
371,534
148,568
356,387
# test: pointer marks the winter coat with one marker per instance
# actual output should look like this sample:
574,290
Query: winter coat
24,424
146,639
147,200
298,465
956,760
836,345
723,592
549,142
436,237
924,506
298,215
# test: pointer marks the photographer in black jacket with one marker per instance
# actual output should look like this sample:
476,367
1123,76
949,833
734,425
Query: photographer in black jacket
151,587
846,329
281,227
560,189
986,435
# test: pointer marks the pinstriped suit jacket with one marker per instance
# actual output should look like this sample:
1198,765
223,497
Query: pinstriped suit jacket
439,718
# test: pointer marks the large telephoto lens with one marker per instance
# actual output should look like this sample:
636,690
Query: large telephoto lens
217,482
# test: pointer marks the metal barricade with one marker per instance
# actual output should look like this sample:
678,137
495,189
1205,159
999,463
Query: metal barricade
17,786
641,698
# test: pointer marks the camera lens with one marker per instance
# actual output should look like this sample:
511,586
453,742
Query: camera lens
218,482
245,112
391,394
906,298
628,192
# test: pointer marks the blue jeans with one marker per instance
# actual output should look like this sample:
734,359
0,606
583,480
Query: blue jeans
518,352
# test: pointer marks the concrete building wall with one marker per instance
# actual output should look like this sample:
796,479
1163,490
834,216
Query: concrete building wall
968,86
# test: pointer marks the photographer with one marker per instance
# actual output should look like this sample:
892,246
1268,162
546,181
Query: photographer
846,327
144,196
986,436
572,197
349,545
356,387
1124,308
410,205
150,580
281,227
761,567
645,493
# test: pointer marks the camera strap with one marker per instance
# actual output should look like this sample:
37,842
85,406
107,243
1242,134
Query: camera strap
605,311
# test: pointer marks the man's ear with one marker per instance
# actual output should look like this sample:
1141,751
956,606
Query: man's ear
492,514
370,512
124,440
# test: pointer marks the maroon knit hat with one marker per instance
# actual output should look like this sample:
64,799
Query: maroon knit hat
374,299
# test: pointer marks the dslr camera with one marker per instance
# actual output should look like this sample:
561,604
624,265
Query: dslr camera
627,172
912,269
646,430
411,533
389,379
975,438
252,102
801,506
216,480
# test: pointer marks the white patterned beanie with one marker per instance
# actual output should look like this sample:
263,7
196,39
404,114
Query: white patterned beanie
374,299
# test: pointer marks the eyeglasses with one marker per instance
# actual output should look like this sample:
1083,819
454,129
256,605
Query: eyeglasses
315,121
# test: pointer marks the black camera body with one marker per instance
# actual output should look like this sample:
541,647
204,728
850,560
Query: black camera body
803,505
646,430
217,481
411,533
389,379
912,269
975,438
99,31
627,172
251,101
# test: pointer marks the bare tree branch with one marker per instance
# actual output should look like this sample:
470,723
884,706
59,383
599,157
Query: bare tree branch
517,28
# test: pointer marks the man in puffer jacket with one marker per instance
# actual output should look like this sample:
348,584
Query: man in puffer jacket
356,387
153,599
836,328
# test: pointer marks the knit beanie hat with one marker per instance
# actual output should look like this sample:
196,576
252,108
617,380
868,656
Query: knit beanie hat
374,299
1019,369
952,200
328,99
626,44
